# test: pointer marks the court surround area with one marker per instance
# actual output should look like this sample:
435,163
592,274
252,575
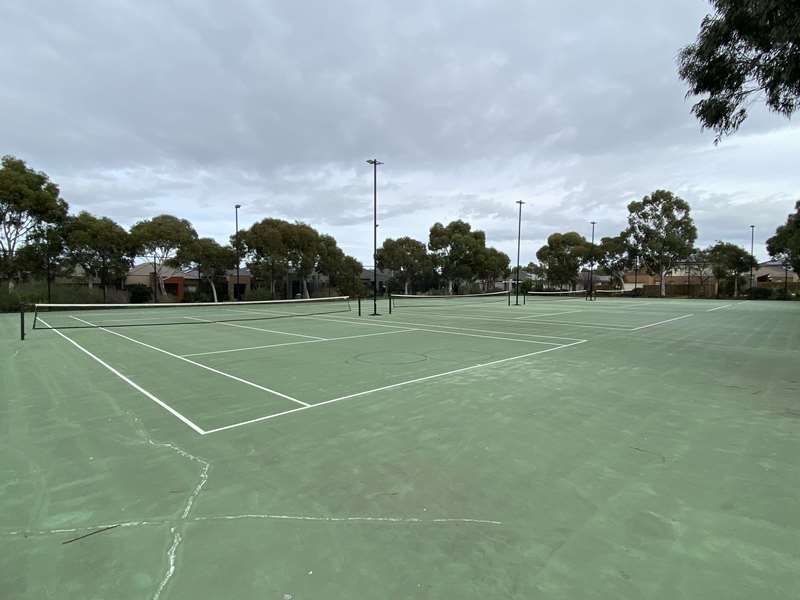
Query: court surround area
470,448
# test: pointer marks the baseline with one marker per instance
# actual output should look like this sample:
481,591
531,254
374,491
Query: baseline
662,322
423,326
389,387
336,339
129,381
312,337
197,364
719,307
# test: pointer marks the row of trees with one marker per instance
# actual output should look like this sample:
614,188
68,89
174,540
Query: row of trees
456,259
660,235
39,238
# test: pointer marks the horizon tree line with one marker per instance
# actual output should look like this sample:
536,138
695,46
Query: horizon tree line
39,236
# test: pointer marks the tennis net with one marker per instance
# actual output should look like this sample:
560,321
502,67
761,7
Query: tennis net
69,316
553,296
410,300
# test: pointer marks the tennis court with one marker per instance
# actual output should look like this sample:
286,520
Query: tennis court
562,448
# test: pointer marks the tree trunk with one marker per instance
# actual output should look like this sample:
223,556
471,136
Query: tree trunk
155,282
213,289
735,285
305,288
663,284
405,287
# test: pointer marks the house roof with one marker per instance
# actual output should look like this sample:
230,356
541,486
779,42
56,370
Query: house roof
772,263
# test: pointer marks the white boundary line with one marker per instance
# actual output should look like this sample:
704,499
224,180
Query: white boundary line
421,327
197,364
389,387
555,314
336,339
662,322
718,307
348,319
130,382
311,337
592,325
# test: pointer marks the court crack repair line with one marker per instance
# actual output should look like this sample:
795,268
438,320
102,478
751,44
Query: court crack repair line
184,518
266,516
176,536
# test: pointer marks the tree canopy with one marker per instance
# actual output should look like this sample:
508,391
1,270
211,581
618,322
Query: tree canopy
562,257
785,244
728,262
409,260
661,231
100,246
209,258
743,50
28,199
614,256
159,239
460,254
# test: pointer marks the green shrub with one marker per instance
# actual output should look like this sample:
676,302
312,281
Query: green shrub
783,294
138,293
258,294
758,293
198,296
36,292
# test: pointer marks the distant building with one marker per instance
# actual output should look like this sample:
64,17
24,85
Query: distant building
773,271
384,275
176,281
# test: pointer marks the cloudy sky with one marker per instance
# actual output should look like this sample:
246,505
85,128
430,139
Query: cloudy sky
188,107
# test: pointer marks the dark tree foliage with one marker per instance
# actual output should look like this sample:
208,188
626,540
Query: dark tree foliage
562,256
785,244
744,50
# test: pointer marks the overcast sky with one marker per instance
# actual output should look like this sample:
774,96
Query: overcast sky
140,108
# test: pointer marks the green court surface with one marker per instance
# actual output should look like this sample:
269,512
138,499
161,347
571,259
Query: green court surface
564,449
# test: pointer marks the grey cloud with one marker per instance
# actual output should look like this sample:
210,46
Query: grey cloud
137,108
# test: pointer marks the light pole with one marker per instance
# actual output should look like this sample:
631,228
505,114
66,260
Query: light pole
591,266
519,237
752,239
374,162
237,293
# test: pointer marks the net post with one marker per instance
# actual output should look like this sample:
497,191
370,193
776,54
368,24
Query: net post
359,306
509,298
390,301
22,322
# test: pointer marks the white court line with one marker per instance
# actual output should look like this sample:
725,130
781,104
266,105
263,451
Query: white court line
592,325
359,321
130,382
391,386
527,320
422,327
555,314
336,339
197,364
425,326
312,337
718,307
661,322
